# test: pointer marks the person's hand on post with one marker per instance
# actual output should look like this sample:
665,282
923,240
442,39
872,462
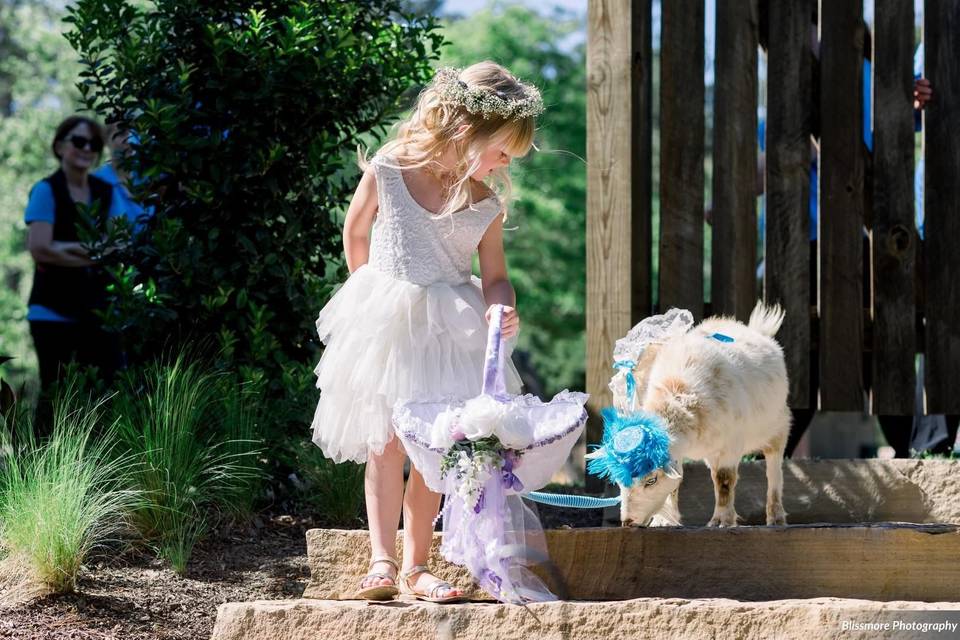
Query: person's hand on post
922,93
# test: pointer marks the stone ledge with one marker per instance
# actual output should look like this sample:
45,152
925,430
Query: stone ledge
884,561
643,617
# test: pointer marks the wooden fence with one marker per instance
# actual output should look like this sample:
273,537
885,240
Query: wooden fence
913,302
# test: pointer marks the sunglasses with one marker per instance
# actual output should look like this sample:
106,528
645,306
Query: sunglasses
82,142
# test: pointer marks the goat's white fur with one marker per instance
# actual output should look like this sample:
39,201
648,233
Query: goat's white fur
720,400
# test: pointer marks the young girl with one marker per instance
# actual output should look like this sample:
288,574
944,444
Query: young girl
410,321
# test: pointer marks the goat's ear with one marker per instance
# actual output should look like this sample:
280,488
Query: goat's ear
673,470
596,453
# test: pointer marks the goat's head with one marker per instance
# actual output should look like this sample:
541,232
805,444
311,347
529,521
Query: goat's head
647,497
636,455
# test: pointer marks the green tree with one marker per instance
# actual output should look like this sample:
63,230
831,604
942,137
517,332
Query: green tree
547,251
245,113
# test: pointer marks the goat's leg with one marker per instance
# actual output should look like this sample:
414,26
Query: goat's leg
724,476
773,458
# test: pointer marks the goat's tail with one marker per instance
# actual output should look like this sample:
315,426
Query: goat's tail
766,319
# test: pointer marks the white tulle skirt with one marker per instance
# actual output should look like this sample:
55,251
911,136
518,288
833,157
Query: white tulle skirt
389,340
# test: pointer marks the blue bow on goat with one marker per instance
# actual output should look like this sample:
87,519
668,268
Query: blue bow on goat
629,365
634,444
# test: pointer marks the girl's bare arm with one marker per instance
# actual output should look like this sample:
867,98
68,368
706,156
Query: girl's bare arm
356,227
493,275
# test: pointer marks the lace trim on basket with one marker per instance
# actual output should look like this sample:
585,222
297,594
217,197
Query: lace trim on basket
410,426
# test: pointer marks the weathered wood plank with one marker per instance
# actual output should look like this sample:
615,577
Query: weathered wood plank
619,63
942,205
894,235
734,255
787,244
841,206
681,156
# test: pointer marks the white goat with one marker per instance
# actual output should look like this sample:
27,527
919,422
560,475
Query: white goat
721,390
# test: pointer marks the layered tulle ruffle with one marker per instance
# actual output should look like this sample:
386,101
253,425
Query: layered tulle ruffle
390,340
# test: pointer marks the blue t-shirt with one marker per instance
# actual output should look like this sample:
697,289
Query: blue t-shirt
40,208
136,213
867,140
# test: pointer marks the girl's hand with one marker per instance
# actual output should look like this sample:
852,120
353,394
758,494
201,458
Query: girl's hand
510,325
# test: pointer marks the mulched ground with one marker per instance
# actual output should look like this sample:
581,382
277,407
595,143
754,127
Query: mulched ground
136,597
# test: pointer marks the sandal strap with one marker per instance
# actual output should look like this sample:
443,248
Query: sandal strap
436,586
412,571
382,576
433,588
387,559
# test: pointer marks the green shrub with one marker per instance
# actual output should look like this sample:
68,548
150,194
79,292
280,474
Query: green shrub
246,113
193,432
60,498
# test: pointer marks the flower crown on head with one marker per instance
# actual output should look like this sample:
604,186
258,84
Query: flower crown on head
484,101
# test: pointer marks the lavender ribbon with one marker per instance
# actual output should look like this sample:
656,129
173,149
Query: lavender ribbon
490,542
481,537
510,481
493,383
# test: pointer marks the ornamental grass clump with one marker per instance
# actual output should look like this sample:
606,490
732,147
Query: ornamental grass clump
192,430
61,498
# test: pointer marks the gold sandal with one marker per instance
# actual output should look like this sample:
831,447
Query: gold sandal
430,594
380,592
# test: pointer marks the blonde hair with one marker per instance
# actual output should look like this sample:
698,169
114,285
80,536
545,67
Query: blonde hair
437,125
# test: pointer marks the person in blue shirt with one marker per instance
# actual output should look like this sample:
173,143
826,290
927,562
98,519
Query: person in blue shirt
68,286
935,433
118,141
897,429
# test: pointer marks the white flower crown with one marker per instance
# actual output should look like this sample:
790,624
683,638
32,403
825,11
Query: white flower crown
486,102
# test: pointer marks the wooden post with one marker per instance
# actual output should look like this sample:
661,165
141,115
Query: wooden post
734,255
681,156
840,234
941,30
894,235
787,241
619,62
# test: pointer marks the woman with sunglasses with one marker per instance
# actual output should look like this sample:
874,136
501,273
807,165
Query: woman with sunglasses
68,287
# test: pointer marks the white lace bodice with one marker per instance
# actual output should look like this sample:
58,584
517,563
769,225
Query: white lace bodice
410,243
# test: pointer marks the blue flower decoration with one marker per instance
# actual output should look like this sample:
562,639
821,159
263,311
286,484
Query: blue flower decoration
634,444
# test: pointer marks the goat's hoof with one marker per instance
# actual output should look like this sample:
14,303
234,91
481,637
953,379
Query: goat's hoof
722,522
777,520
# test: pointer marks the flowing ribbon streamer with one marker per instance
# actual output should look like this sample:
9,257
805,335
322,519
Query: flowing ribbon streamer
480,536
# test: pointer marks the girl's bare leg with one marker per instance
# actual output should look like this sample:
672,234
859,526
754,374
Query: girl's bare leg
383,487
420,506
